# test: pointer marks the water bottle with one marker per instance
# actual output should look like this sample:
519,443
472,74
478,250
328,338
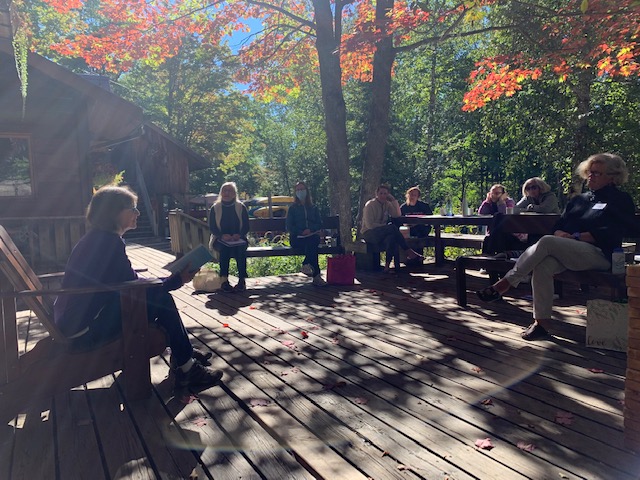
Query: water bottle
617,261
465,206
449,208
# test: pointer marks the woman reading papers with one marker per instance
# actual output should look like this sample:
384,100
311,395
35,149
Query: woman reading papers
229,225
304,224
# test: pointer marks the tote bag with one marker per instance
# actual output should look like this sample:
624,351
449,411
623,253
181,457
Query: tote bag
341,269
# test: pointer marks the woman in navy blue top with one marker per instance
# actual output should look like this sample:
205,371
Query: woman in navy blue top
590,227
99,259
304,224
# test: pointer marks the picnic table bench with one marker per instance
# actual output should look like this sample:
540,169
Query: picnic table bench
188,232
540,224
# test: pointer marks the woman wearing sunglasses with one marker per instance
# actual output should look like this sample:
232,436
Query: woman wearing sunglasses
538,197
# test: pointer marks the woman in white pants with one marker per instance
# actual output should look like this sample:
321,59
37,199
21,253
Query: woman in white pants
590,228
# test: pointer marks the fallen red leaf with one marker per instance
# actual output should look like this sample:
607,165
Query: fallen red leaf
487,401
596,370
564,418
225,325
187,399
477,369
200,421
252,307
527,447
304,334
361,400
484,443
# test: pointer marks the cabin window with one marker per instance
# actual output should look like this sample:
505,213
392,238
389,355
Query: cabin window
15,166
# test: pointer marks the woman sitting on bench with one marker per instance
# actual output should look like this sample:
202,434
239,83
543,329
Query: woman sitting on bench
379,230
99,259
304,224
590,228
229,225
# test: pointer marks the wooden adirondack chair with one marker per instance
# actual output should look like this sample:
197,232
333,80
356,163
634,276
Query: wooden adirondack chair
53,366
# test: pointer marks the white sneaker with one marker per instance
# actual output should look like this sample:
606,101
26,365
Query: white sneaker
318,281
307,270
482,271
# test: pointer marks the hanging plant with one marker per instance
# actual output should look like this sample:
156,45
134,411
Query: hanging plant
20,42
104,173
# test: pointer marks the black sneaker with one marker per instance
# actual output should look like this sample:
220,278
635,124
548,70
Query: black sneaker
535,332
197,376
202,357
226,287
241,286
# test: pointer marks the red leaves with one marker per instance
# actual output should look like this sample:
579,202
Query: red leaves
564,418
484,443
258,402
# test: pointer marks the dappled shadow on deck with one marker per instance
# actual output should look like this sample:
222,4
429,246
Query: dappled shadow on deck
385,379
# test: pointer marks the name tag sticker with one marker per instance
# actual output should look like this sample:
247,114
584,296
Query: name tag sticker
599,206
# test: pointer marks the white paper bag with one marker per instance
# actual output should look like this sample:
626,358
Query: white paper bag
607,324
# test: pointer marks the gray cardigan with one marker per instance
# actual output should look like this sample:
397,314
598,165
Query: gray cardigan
547,203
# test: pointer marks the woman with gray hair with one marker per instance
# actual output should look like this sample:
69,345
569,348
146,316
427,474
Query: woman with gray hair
538,197
590,228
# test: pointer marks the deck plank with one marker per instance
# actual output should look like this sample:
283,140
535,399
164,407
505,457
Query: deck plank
408,371
33,455
78,452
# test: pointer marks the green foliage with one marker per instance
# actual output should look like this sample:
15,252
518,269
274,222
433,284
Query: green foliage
264,267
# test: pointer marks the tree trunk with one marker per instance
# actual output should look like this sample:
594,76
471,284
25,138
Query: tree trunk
378,132
328,46
582,91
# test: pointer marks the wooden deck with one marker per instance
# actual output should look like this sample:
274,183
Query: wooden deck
388,379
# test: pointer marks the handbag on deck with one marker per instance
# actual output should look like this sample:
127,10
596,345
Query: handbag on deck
341,269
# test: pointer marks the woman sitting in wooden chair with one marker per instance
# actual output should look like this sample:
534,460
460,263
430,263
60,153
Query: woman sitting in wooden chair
99,258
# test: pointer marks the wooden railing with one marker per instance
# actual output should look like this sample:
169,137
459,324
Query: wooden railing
186,232
46,242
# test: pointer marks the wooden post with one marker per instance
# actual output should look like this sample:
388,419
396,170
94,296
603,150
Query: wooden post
632,382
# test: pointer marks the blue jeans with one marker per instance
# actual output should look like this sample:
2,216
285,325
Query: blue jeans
161,310
310,247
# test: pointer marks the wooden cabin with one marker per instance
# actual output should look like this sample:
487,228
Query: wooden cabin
71,132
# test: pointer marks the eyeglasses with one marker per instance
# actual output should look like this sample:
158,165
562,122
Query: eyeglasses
531,187
595,174
135,210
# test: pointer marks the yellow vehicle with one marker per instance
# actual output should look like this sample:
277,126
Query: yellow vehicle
259,206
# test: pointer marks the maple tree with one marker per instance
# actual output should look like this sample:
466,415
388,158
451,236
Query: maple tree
342,40
339,40
577,44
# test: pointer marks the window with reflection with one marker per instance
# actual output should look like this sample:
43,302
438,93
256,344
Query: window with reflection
15,166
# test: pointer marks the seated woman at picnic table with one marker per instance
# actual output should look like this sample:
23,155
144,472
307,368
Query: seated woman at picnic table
590,228
304,224
98,259
536,197
379,230
414,206
229,225
497,201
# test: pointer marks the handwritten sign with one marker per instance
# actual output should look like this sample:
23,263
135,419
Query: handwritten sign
607,325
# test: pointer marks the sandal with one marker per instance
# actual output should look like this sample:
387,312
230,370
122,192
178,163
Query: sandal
489,294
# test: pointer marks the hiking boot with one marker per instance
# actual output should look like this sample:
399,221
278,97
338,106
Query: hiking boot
198,355
307,270
241,286
226,287
318,281
197,376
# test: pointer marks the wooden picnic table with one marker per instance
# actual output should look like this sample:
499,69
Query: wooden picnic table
530,222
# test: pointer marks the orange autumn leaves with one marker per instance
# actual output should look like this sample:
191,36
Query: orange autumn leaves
600,36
